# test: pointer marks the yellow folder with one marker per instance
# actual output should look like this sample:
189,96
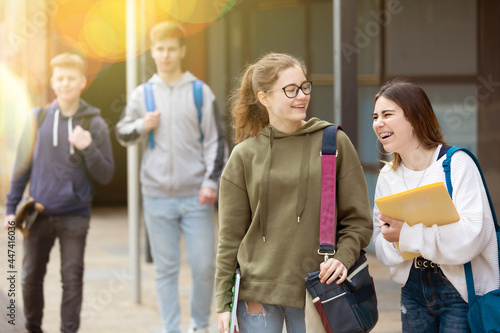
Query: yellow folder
430,204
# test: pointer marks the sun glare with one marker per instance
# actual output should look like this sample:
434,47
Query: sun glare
15,107
98,28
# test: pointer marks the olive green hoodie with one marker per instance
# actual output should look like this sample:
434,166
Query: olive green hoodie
269,213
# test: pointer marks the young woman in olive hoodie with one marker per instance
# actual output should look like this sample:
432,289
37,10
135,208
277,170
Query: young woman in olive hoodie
270,201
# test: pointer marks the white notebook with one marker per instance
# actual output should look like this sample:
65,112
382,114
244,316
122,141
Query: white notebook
233,321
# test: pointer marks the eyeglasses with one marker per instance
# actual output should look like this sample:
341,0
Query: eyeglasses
292,90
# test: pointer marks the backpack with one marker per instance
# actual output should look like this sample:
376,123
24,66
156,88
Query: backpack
150,104
484,310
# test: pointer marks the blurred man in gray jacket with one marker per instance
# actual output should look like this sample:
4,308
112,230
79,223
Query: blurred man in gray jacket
183,159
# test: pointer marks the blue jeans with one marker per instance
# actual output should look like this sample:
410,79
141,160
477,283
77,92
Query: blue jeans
270,318
430,303
166,219
72,234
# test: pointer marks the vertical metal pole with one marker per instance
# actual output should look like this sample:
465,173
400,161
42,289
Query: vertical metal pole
133,160
143,77
345,85
337,62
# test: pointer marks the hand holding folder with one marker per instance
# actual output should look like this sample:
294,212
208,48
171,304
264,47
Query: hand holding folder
430,204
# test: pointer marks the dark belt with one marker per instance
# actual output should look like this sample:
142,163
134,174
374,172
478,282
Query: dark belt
422,263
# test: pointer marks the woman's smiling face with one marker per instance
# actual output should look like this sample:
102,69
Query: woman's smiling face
287,114
391,126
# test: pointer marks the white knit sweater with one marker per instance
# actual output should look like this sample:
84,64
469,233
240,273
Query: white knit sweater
471,238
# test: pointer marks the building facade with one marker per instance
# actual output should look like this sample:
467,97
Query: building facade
449,47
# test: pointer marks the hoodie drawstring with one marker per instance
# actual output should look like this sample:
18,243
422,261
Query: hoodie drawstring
304,177
264,182
70,132
264,187
55,130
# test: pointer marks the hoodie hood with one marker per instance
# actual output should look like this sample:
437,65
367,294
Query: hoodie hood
311,126
84,110
186,78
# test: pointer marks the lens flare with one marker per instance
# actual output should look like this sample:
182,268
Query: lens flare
104,30
197,11
98,28
14,108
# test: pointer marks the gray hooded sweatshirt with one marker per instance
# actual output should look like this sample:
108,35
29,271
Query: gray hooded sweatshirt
181,162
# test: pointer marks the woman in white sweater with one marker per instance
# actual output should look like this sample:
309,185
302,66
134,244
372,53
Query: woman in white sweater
434,292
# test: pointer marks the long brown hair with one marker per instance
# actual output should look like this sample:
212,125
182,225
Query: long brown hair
418,111
249,115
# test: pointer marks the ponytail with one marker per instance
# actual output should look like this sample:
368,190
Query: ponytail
249,115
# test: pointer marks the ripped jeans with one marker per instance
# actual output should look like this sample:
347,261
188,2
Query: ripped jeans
431,304
266,318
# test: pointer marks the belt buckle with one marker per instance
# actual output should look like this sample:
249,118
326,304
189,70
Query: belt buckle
422,263
417,262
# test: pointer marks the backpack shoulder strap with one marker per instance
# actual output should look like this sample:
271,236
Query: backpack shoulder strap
198,101
447,169
41,113
443,150
86,120
328,190
148,96
150,106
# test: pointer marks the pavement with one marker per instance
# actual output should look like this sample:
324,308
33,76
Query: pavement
108,305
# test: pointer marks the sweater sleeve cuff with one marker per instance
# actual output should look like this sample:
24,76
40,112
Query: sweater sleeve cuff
209,183
89,149
139,126
409,240
11,209
221,304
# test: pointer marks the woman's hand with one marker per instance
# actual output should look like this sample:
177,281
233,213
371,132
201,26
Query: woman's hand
332,269
223,319
390,228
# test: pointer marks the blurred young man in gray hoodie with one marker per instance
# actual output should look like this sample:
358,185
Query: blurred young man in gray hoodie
183,159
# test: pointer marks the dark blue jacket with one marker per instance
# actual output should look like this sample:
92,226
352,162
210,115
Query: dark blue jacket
61,180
